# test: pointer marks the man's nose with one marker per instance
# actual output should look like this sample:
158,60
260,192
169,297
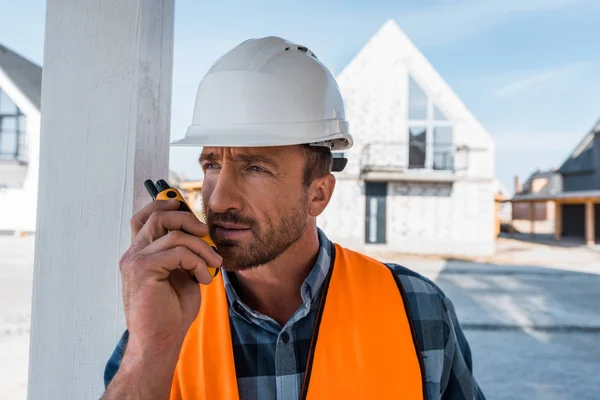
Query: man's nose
226,195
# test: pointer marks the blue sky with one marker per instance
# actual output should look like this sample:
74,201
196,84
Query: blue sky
528,70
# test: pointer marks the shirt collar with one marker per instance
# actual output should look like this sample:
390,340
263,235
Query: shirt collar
311,286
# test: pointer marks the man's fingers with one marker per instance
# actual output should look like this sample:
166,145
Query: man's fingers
160,222
185,288
163,263
195,244
139,219
167,240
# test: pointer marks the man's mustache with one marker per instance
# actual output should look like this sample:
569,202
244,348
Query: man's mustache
213,218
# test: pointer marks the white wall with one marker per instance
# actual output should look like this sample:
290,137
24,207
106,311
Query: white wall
18,203
12,176
344,218
441,218
422,218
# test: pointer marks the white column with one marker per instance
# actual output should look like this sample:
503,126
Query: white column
590,227
106,100
557,220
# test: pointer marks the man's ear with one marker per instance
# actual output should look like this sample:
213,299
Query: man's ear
319,194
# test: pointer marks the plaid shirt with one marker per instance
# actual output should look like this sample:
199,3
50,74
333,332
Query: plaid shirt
270,360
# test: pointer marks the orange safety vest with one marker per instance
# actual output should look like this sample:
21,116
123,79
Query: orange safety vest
363,345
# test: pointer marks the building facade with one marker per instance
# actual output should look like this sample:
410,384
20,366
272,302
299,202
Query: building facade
20,93
420,178
541,183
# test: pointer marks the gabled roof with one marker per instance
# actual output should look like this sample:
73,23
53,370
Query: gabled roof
389,47
553,186
581,160
26,75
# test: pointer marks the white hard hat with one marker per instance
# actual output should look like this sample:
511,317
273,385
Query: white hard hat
268,92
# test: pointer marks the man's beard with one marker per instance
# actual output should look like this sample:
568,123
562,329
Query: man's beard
269,240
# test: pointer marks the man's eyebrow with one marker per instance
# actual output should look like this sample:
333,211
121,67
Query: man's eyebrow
253,158
246,158
207,157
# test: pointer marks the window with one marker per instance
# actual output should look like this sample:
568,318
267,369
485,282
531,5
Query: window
437,114
375,216
443,156
430,136
417,100
12,130
417,146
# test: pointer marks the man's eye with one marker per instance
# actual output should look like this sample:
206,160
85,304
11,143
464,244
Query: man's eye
210,166
255,168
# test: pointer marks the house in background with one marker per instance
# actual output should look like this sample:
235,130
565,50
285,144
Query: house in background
20,93
420,178
542,183
581,177
577,206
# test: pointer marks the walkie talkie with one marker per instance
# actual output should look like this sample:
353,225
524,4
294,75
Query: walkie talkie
162,191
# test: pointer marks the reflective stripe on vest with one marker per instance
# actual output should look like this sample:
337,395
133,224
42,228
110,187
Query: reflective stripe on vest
363,343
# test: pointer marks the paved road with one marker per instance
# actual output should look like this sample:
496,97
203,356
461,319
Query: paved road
534,332
16,278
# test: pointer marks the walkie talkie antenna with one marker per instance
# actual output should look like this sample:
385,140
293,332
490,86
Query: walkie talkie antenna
161,185
151,188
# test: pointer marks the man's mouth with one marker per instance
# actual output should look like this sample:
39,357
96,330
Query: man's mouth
228,231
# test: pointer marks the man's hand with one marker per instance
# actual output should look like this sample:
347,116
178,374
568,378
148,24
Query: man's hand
161,299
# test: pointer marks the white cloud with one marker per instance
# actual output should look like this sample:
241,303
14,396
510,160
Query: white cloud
536,78
452,21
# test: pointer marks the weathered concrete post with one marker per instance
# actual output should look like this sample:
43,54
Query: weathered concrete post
106,99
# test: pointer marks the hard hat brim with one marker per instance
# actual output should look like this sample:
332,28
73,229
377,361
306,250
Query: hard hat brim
337,137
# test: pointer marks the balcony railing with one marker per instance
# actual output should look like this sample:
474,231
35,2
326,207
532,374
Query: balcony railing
401,157
13,146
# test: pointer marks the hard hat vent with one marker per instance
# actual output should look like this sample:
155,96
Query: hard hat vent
304,50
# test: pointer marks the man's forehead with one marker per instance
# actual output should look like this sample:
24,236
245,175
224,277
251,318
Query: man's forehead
245,152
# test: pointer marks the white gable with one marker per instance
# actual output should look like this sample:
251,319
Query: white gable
375,89
17,96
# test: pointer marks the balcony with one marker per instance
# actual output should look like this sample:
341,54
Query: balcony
13,149
13,144
418,162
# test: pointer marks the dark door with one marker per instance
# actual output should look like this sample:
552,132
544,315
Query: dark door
573,220
375,216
